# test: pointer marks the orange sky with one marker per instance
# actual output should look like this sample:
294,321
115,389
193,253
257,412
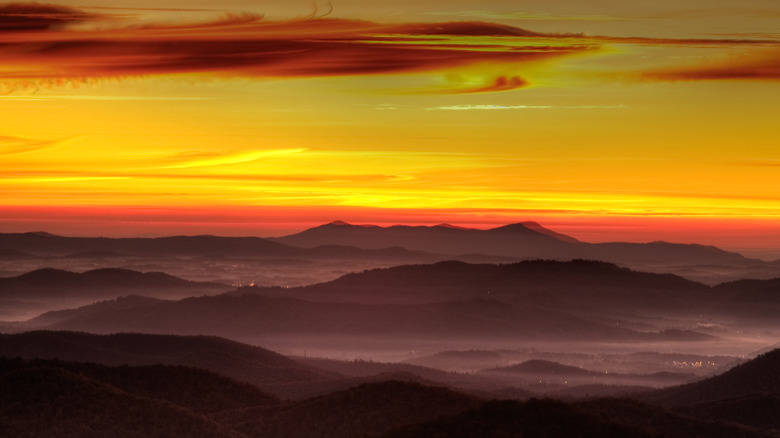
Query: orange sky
638,122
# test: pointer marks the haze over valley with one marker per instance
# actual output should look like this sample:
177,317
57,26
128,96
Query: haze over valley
340,219
422,314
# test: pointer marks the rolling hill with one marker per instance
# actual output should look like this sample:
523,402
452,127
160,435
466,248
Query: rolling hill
42,290
100,283
446,300
258,366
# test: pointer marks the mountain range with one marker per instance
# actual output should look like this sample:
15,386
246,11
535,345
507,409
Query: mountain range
516,241
166,351
575,300
46,244
47,289
521,241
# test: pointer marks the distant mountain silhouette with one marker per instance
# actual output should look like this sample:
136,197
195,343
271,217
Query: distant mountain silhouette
512,240
49,244
520,241
534,226
370,245
45,244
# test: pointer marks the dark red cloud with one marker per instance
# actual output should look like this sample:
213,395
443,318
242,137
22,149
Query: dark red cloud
37,47
246,45
34,16
762,65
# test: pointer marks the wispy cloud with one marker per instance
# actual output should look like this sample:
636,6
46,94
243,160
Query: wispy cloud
536,16
761,65
518,107
16,145
35,16
674,14
233,158
33,97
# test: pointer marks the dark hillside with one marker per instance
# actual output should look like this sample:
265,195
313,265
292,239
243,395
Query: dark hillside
578,283
48,399
606,418
365,410
758,376
241,362
101,283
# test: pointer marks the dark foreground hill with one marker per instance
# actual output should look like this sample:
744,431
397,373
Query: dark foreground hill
368,409
258,366
747,394
758,376
605,418
51,398
46,398
40,397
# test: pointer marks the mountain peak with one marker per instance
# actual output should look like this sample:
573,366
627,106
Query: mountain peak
41,234
446,225
535,226
339,223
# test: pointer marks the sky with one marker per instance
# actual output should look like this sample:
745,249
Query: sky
605,120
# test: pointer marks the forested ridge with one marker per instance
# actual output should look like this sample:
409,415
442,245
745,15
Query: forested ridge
44,398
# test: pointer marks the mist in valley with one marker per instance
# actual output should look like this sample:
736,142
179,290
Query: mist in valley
306,324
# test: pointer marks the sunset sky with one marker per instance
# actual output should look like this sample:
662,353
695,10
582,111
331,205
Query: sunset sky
604,120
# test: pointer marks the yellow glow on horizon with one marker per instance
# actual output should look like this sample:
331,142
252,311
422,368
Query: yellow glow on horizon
561,124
